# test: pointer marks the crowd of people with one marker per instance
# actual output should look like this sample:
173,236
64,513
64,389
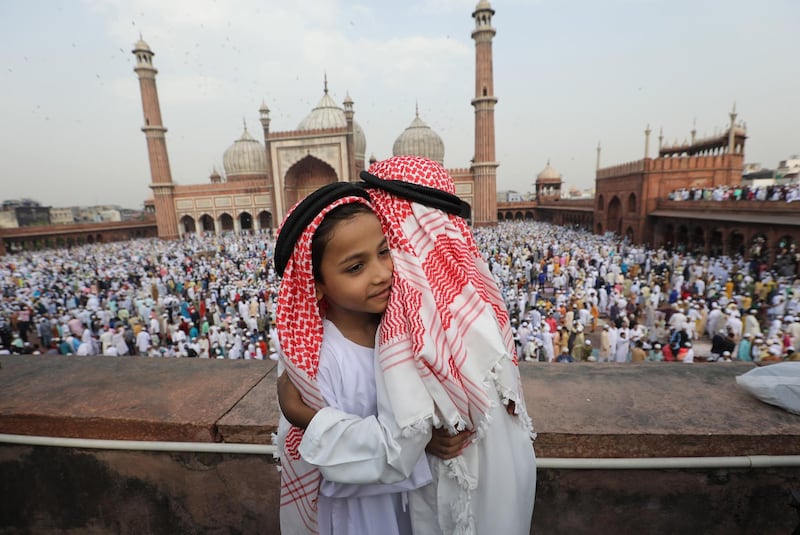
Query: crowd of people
572,296
203,296
786,192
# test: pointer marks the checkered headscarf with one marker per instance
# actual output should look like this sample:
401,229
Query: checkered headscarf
299,325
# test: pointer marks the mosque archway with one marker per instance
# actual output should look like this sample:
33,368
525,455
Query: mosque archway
529,216
785,244
600,203
682,238
759,248
187,222
735,243
306,176
226,223
716,247
245,221
614,218
600,228
518,216
697,241
786,257
632,203
265,220
207,223
629,234
669,236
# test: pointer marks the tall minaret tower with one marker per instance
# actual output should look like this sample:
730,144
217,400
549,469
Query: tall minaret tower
160,175
484,166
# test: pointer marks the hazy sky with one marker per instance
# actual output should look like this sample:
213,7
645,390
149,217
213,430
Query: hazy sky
567,73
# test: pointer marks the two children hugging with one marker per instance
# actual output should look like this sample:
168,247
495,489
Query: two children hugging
395,340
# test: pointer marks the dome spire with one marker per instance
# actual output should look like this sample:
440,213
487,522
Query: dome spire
419,140
326,82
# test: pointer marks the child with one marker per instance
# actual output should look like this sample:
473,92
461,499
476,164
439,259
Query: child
446,359
336,284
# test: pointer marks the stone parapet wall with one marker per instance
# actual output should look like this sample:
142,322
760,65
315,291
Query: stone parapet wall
579,411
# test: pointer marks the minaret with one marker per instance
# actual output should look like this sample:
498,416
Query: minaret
351,147
484,166
275,189
597,164
647,142
154,132
732,131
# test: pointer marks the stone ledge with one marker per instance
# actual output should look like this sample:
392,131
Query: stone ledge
652,409
578,409
122,398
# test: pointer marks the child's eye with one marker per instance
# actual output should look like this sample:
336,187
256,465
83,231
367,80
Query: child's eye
384,251
355,268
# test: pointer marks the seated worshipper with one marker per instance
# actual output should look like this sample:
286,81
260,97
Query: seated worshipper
445,359
638,354
564,357
722,341
655,354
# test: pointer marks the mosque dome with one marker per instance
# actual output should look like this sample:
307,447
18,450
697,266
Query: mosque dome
327,114
548,174
245,157
419,140
141,45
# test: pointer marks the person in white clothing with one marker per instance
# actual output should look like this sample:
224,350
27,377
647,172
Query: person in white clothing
490,485
143,342
350,269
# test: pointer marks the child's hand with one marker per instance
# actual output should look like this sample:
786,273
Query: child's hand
447,446
511,408
298,413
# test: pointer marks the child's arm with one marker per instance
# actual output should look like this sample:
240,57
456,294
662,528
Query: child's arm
441,444
291,403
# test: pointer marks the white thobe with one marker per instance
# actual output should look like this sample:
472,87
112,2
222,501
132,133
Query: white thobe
346,379
350,449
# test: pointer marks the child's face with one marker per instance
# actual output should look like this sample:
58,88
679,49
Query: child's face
356,269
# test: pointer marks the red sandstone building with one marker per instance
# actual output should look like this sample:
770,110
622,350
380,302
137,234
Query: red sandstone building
633,200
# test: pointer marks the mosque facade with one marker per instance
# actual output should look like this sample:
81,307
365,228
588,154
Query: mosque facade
262,180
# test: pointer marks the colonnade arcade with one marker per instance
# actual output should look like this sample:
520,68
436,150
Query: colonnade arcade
225,222
762,243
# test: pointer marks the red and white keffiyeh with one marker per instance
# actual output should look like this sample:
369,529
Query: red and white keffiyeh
445,345
445,338
299,325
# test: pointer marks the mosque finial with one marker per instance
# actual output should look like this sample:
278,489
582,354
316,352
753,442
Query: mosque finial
417,108
326,82
244,124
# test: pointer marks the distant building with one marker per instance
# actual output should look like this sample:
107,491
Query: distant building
788,171
548,184
8,219
27,213
62,216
